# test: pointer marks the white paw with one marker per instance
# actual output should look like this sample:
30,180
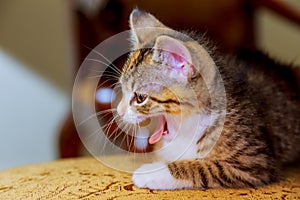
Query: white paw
157,176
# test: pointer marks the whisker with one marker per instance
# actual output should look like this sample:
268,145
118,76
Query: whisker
96,114
134,138
97,70
112,76
104,82
98,61
126,136
128,141
118,134
106,111
109,64
109,124
107,129
110,121
114,85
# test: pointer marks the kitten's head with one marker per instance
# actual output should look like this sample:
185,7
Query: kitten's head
164,72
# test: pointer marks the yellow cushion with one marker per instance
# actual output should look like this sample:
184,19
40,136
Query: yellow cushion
87,178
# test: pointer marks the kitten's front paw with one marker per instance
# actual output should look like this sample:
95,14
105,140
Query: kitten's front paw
157,176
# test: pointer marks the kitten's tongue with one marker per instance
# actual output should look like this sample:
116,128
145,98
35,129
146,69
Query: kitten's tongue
155,137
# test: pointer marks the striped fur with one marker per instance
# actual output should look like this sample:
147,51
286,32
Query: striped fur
261,131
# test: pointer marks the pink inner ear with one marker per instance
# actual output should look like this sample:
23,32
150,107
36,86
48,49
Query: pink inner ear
175,55
176,62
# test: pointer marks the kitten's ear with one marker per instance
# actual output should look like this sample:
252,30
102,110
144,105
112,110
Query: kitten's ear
175,55
142,25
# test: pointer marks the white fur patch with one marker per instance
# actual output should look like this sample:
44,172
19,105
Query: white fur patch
181,143
157,176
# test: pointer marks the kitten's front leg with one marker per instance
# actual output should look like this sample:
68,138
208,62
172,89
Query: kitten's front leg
157,176
206,173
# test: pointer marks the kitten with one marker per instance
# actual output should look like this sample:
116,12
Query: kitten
209,137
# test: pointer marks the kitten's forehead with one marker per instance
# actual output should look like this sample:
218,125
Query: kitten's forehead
135,58
139,65
143,78
140,73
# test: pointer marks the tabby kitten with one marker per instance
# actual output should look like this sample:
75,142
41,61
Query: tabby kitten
243,134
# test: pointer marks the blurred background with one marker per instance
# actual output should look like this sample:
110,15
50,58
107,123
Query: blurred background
42,44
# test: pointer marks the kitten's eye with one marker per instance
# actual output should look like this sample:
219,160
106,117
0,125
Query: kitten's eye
140,98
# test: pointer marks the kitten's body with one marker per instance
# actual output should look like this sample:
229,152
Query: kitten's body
261,129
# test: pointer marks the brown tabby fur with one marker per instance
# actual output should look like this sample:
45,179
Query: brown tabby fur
261,132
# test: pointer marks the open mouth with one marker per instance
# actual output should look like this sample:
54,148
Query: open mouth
162,129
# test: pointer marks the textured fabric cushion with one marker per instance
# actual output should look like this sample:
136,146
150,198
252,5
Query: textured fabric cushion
87,178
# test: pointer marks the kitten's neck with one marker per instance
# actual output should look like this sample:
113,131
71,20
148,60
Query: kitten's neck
184,132
180,122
